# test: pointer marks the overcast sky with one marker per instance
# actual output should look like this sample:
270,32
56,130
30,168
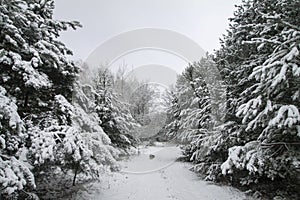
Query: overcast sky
203,21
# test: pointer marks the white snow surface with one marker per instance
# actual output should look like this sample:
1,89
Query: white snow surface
160,178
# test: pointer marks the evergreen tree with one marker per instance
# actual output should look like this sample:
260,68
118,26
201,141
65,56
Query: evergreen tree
115,117
260,60
39,128
173,111
33,67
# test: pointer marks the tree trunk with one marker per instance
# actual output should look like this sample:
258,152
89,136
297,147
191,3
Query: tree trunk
26,99
76,172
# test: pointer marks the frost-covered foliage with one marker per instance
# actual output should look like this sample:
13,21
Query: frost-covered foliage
9,115
15,175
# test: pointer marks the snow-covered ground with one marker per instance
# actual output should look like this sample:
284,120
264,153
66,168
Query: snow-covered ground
160,178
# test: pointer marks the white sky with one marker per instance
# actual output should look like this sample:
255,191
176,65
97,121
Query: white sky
203,21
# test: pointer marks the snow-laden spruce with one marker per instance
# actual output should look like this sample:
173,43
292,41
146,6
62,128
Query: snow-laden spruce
41,129
191,120
14,173
262,48
259,63
115,116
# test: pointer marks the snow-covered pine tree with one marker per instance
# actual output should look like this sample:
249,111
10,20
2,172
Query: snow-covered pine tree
190,110
196,119
182,100
81,145
208,144
115,117
86,120
38,122
193,120
234,63
15,174
262,50
33,67
172,121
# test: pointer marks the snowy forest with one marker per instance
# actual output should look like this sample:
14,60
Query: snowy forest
63,128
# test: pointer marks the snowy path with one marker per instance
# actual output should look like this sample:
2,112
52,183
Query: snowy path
160,178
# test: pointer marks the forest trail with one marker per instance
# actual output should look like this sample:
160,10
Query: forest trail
160,178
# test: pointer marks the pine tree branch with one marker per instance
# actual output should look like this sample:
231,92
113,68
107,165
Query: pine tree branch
280,143
290,25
